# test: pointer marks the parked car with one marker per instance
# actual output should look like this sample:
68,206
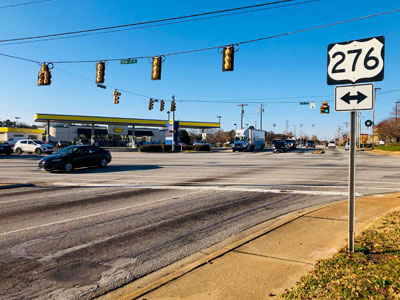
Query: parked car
63,144
71,157
200,142
292,144
5,149
32,146
310,144
280,146
331,144
13,140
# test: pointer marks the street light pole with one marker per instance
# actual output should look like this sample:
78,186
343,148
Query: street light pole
16,121
235,126
219,122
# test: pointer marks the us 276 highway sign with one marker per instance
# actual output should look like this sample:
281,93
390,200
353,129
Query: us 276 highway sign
356,61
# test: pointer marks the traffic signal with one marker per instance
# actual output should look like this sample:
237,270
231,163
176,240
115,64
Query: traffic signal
162,103
227,58
116,96
100,68
156,68
173,106
44,76
151,103
324,109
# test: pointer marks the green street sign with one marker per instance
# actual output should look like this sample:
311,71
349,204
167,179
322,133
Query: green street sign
304,103
101,86
129,61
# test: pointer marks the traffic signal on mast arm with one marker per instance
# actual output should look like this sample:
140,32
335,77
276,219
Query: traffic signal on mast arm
100,72
324,109
44,76
227,58
116,96
173,106
162,103
151,104
156,68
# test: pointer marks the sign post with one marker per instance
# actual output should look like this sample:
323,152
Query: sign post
354,62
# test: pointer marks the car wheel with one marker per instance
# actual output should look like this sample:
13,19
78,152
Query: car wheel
103,163
68,167
18,151
38,151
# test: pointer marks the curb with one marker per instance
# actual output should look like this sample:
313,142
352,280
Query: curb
15,185
214,255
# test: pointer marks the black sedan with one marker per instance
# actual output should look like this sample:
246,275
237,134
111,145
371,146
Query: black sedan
73,157
5,149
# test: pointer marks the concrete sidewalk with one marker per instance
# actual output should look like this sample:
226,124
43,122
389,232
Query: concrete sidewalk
264,263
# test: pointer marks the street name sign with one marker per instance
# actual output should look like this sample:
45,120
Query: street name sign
304,103
129,61
354,97
101,86
356,61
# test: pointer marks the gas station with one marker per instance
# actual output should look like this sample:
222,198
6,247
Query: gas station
119,126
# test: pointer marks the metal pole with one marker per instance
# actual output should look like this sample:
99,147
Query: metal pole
241,114
92,135
352,165
173,127
261,112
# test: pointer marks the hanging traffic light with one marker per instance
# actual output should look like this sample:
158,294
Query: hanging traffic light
100,72
116,96
324,109
151,103
173,106
156,68
44,76
227,58
162,103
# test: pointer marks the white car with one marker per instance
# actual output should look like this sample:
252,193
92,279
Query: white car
331,144
381,142
32,146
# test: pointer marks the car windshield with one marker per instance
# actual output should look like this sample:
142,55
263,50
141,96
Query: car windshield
68,150
240,138
310,142
278,143
38,142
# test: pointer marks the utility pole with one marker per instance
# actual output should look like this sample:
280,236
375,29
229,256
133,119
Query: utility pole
287,127
219,122
261,110
397,119
173,126
373,119
241,114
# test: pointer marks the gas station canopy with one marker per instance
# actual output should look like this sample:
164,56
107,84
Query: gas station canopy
119,121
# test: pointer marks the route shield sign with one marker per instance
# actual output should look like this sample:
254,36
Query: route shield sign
356,61
354,97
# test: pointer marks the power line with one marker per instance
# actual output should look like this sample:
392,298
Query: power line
145,22
25,3
244,42
158,25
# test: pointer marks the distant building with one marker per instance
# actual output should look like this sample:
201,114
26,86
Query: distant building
12,132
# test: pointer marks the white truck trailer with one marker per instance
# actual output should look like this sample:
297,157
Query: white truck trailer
249,139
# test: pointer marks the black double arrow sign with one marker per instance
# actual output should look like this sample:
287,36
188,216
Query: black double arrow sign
360,97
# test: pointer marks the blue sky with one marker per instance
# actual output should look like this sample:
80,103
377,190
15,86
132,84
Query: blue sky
285,69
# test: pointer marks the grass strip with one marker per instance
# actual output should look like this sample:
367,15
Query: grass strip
389,148
371,272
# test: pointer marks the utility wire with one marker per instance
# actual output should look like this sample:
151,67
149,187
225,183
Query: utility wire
242,42
145,22
25,3
159,25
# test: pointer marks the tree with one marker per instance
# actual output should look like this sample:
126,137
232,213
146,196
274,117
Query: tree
387,130
184,136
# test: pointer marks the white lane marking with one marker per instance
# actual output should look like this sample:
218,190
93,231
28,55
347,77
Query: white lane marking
213,188
97,214
221,178
44,196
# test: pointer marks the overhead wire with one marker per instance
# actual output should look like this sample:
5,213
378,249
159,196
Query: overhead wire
23,4
145,22
158,25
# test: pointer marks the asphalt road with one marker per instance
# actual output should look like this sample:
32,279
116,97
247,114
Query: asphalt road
75,236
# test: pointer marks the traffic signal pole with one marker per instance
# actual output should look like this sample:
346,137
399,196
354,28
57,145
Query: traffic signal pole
352,165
